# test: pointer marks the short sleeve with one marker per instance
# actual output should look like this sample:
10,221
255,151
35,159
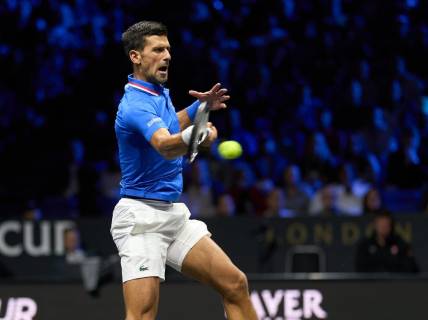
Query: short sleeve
144,119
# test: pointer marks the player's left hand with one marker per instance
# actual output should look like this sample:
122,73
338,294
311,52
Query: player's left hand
215,98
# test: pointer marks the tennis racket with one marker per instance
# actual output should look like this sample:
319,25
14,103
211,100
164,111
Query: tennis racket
199,130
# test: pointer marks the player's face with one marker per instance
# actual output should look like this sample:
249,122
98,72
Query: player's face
155,59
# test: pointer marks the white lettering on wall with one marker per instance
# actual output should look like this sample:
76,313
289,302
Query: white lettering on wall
291,304
257,303
10,309
25,309
312,300
19,309
297,304
272,302
6,249
29,243
29,239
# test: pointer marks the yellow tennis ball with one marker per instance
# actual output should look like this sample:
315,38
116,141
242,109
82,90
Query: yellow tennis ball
230,149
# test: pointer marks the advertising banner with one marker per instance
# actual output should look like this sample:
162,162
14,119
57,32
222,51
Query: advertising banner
273,300
255,245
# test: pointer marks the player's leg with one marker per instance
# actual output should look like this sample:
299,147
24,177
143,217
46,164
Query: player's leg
207,263
143,267
143,256
141,298
194,254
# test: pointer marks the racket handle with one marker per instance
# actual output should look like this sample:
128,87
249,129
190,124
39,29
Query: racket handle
204,136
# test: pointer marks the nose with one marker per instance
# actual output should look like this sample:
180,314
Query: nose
167,56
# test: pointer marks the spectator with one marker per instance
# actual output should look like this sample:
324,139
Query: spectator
32,212
372,202
343,94
275,204
323,203
240,191
260,190
74,254
404,166
348,203
384,251
318,161
87,266
197,195
296,196
225,206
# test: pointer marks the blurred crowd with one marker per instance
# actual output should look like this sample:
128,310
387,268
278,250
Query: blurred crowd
329,100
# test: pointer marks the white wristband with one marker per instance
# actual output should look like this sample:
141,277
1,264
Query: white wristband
186,134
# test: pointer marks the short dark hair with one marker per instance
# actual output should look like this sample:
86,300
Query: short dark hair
134,37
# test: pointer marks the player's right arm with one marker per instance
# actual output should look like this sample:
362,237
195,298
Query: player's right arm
144,120
170,146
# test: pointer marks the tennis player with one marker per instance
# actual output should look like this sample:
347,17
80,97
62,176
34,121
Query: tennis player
149,227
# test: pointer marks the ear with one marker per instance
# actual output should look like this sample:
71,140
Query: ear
135,56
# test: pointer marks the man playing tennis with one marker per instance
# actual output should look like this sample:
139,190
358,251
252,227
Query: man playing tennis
149,227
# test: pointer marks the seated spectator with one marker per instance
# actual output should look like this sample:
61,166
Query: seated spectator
379,111
296,196
225,206
32,212
348,203
275,204
372,202
405,166
197,194
384,251
323,203
109,181
317,162
74,254
240,190
260,190
91,268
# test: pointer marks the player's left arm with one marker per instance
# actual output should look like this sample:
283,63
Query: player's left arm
216,98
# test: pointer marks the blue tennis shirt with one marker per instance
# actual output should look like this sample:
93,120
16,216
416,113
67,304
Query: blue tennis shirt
143,109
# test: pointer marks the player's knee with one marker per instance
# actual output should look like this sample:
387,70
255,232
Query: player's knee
144,314
145,310
236,288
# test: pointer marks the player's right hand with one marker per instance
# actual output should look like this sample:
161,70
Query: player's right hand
212,136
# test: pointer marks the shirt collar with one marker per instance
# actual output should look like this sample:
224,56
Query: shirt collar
154,89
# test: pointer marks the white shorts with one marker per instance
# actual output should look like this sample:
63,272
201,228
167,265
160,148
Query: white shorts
150,234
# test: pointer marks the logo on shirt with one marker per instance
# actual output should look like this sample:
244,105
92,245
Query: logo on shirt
153,121
144,268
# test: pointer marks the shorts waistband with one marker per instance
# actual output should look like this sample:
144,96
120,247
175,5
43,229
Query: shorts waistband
147,199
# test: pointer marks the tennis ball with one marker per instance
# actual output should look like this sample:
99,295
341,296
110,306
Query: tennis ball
229,149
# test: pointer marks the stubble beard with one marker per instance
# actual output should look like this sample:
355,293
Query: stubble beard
158,79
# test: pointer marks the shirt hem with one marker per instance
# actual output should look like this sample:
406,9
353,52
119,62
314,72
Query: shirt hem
148,195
